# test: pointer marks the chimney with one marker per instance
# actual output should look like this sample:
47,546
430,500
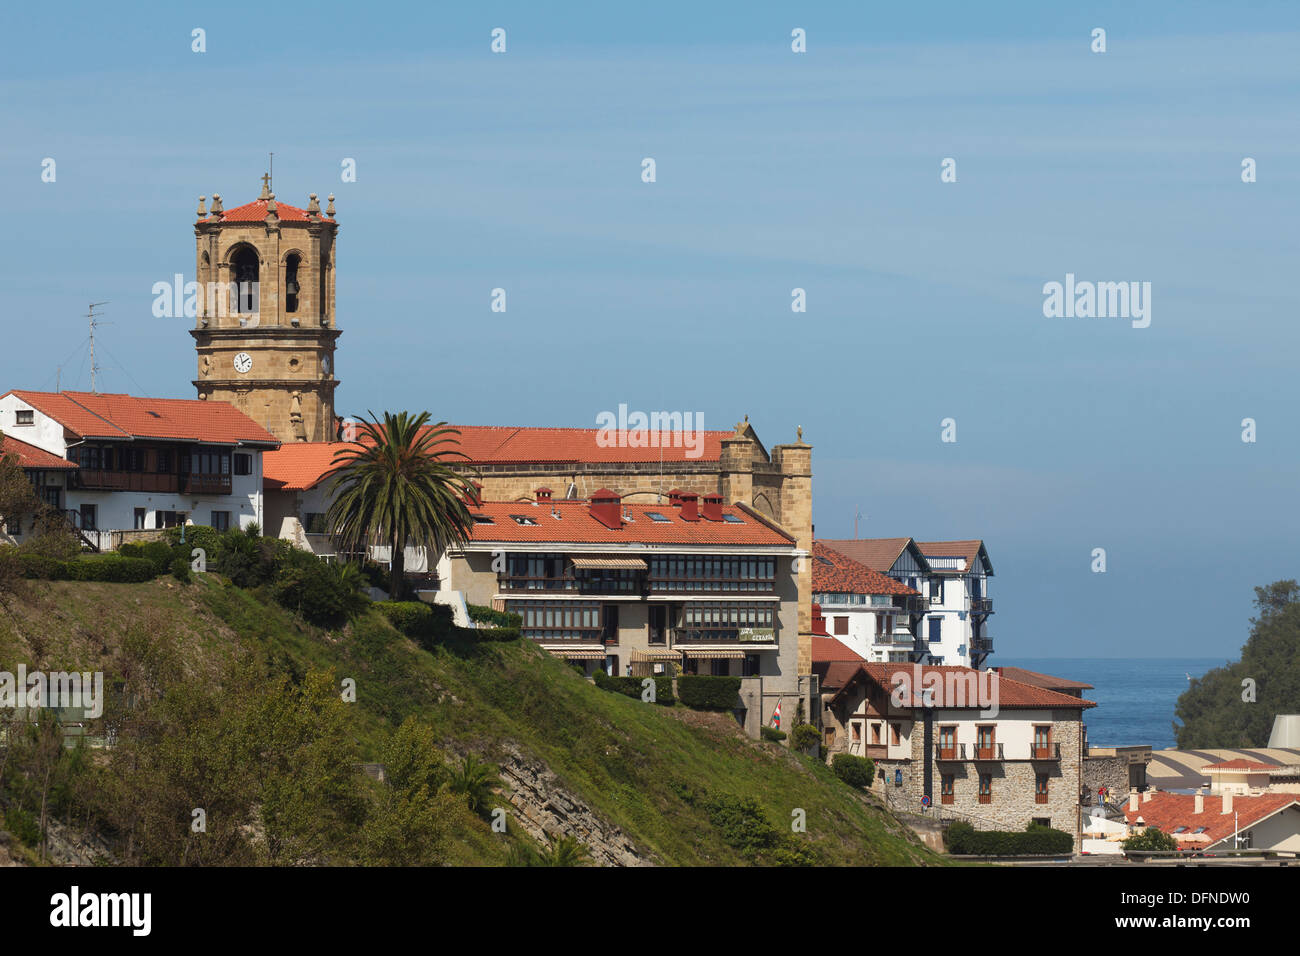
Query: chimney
712,510
1146,794
543,494
474,494
605,508
1227,803
1133,801
1198,805
818,622
675,497
689,502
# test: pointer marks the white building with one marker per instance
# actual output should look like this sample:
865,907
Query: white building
142,463
874,615
952,576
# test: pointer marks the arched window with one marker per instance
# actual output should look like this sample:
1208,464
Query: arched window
244,272
291,284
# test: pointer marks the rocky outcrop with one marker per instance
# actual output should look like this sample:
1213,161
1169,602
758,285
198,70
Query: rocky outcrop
547,811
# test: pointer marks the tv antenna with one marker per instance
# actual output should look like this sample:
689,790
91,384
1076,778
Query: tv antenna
92,317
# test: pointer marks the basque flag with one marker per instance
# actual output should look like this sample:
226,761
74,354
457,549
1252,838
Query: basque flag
776,716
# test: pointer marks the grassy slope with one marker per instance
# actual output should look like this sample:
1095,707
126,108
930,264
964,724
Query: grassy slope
619,755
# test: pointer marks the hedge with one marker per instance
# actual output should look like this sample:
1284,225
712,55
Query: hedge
709,693
481,614
853,770
108,568
425,623
963,839
634,687
771,733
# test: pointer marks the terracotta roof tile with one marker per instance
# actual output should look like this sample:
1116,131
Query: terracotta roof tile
1042,680
835,573
29,456
879,554
1239,765
826,649
255,211
1168,811
952,549
101,415
1012,694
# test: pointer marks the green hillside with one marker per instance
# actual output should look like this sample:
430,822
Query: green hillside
236,709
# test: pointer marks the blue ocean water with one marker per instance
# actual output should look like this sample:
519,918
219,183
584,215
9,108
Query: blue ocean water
1135,696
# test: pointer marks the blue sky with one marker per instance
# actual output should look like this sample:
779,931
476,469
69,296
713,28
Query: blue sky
775,171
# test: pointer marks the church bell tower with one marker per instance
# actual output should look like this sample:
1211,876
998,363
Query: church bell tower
265,329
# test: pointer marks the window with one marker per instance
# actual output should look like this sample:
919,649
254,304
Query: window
935,624
1040,788
894,737
291,284
946,787
139,518
1041,821
841,625
733,519
711,573
986,788
857,732
243,464
164,462
984,741
655,516
89,520
24,417
752,665
221,521
721,668
559,620
611,665
313,522
168,519
1042,741
875,734
936,590
524,520
948,743
611,624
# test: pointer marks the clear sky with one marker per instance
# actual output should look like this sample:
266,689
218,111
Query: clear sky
775,170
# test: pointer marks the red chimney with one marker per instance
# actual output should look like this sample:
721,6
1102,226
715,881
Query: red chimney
675,497
712,509
605,508
689,506
818,622
474,494
543,494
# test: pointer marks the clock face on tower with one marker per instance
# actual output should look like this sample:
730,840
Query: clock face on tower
243,363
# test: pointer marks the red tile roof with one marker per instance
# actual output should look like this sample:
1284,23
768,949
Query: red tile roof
302,465
576,526
29,456
952,549
255,211
1238,765
1168,811
1011,694
826,649
99,415
879,554
1042,680
835,573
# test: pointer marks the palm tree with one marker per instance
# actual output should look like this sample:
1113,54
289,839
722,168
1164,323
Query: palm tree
395,487
475,780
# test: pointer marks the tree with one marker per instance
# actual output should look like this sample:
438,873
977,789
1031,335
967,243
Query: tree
1152,838
395,487
474,780
1234,705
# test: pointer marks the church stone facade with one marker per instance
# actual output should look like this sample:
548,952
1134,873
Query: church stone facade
266,329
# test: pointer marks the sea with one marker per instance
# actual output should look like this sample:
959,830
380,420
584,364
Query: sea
1135,696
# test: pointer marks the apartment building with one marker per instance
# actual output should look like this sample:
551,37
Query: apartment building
875,615
135,464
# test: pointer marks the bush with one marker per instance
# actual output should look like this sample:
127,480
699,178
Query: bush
426,624
325,594
771,733
853,770
962,838
23,825
805,737
486,633
181,570
709,693
1152,838
634,687
482,614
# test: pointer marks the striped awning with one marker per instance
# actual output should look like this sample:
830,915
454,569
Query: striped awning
577,653
717,655
663,655
610,564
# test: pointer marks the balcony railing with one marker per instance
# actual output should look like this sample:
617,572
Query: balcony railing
955,752
982,644
915,605
996,752
1051,752
99,479
993,752
981,605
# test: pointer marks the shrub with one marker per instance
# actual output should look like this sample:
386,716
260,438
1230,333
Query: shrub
487,633
43,567
427,624
482,614
181,570
709,693
158,552
634,687
325,594
771,733
22,824
962,838
110,568
853,770
805,737
1152,838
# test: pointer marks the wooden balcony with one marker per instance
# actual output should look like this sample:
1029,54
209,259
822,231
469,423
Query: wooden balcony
981,605
100,480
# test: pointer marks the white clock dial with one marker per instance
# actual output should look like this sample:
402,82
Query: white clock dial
243,363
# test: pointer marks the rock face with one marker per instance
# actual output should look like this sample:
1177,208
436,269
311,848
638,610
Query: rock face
547,811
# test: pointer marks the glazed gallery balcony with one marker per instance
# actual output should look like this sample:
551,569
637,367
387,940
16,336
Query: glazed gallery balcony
101,480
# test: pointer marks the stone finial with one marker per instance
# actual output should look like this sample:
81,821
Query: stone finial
799,433
270,205
313,206
202,213
217,209
266,187
329,210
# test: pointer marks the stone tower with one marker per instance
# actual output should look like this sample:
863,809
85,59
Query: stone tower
265,328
